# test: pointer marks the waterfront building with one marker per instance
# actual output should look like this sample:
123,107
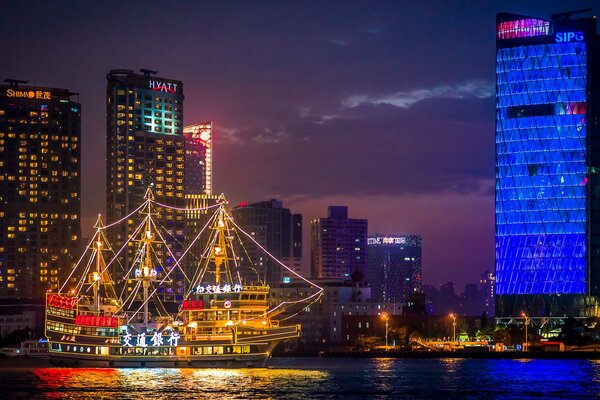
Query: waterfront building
322,320
394,266
548,166
40,188
338,245
279,231
198,158
145,148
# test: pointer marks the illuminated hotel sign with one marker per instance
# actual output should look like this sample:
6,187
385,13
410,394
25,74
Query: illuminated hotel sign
563,37
29,94
159,86
139,340
387,240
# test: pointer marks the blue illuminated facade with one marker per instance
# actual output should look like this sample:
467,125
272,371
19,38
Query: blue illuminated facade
546,165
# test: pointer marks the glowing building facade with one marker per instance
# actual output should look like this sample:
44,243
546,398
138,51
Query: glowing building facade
547,160
198,158
145,148
40,134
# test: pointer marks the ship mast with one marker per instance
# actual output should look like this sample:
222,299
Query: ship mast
100,275
146,273
219,253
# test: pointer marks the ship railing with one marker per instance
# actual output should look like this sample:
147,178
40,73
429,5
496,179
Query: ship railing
209,338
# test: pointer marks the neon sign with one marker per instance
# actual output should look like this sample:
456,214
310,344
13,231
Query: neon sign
93,320
386,240
56,300
151,273
193,304
156,340
158,86
563,37
29,94
219,289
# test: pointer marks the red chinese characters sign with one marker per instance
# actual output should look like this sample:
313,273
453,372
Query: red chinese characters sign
93,320
192,304
59,301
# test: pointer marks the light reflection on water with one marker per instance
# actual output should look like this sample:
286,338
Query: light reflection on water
318,378
77,383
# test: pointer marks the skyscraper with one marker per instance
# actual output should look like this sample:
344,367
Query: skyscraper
145,149
279,231
547,168
394,266
338,245
198,158
40,134
486,287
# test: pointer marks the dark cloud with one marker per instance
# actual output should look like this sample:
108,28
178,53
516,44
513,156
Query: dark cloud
437,145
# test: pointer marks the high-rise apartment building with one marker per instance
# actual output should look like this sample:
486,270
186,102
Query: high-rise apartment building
279,231
548,165
338,245
198,158
40,188
486,287
394,266
146,149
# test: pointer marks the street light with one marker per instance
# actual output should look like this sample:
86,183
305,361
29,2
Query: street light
387,323
526,325
453,316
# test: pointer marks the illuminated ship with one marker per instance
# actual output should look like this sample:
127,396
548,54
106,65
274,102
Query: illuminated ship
221,322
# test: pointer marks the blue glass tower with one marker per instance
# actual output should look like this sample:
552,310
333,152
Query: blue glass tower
547,184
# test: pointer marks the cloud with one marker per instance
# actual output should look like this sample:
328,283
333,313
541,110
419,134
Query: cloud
338,42
374,31
405,99
269,136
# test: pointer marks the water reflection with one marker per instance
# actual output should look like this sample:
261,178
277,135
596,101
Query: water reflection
67,383
318,379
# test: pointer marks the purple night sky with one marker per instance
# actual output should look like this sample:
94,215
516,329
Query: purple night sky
387,107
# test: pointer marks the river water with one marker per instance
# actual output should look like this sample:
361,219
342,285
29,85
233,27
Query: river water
313,378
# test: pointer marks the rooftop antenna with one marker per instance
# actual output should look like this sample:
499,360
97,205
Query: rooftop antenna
564,16
148,72
15,82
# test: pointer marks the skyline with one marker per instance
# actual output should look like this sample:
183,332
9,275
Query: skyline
285,84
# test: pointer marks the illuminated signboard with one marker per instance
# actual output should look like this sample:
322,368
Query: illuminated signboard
159,86
29,94
563,37
193,304
521,28
219,289
93,320
157,339
387,240
56,300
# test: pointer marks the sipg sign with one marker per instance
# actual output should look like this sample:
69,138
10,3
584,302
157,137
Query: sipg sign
564,37
159,86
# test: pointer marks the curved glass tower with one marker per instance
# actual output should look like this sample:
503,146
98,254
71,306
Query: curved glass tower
546,166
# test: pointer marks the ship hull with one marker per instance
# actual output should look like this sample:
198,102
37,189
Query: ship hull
82,361
257,359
